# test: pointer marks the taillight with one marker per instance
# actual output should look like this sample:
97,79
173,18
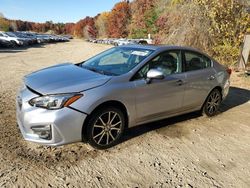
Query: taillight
229,71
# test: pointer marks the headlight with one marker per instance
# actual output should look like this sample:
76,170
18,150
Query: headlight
53,102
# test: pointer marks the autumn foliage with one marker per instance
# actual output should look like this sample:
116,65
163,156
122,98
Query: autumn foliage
143,20
216,27
85,28
4,24
118,20
101,24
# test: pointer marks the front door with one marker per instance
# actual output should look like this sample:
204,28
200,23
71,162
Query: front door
164,97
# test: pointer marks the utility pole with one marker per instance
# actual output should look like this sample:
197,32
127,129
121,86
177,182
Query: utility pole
245,52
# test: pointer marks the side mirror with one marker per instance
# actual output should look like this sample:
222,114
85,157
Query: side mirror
154,74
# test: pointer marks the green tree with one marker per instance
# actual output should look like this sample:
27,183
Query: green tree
4,23
144,17
228,20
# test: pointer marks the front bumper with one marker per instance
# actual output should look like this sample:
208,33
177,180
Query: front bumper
65,124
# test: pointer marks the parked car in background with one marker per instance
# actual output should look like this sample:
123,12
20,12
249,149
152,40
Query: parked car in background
36,36
24,38
121,41
27,40
98,99
5,43
30,39
68,36
13,39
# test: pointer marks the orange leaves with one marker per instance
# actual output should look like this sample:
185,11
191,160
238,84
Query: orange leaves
69,28
143,20
85,28
118,20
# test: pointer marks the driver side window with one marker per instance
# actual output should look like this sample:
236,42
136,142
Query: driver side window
168,62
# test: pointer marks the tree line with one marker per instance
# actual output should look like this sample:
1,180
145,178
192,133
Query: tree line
217,27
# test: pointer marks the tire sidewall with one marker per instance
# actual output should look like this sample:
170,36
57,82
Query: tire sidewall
205,110
92,121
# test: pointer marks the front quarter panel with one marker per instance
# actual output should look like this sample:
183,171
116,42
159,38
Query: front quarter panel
113,91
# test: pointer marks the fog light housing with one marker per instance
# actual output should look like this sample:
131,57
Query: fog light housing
43,132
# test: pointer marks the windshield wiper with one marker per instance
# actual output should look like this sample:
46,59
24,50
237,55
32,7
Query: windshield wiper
90,68
99,71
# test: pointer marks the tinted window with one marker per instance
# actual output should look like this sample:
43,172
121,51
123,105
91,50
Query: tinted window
196,61
167,62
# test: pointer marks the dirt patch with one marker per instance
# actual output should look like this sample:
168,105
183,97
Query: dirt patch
188,150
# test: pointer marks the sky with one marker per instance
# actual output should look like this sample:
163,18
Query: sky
54,10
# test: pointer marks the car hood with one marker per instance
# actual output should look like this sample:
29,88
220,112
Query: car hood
64,78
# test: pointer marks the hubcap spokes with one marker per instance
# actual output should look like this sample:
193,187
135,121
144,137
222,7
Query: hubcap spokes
107,128
213,103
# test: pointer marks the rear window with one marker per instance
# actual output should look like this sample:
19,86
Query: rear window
195,61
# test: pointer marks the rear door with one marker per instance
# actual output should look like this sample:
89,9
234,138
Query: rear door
200,78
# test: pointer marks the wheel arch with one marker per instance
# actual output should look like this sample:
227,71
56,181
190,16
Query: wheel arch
13,41
216,87
110,103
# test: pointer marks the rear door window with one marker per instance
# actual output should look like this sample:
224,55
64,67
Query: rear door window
195,61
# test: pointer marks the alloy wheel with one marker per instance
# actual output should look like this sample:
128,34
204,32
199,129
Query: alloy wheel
107,128
213,102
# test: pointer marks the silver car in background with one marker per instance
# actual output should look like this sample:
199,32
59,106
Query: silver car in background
125,86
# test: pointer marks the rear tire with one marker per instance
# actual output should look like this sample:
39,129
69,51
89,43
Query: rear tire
105,127
212,103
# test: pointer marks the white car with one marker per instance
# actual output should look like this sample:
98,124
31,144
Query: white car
14,40
120,42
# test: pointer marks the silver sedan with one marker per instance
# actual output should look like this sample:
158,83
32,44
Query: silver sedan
98,99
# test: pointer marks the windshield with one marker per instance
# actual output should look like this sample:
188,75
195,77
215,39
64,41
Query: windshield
10,34
116,61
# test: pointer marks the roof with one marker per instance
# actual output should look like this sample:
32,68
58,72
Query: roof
162,47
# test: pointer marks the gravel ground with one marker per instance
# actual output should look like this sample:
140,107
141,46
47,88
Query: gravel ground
185,151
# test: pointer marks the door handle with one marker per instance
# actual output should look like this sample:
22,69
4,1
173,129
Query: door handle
211,77
179,82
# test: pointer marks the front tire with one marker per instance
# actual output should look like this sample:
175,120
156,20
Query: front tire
212,103
105,128
13,44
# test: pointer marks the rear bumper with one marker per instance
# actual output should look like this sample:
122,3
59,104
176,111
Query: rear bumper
65,124
225,89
